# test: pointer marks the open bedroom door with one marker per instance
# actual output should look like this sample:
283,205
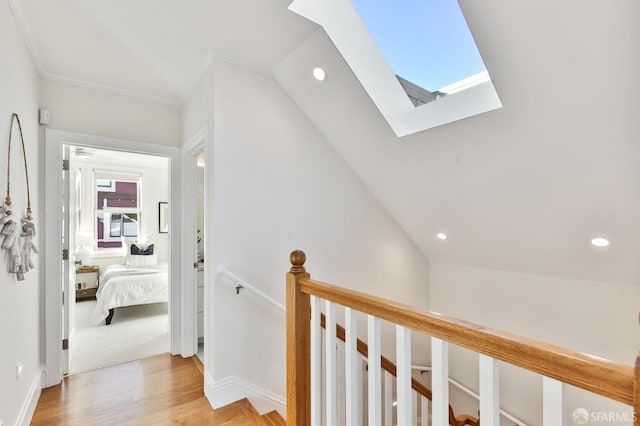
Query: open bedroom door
68,272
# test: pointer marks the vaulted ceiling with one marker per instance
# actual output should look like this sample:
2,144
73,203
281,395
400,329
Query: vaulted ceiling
522,188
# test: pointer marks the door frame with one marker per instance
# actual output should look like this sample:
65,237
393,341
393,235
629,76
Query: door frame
189,153
54,140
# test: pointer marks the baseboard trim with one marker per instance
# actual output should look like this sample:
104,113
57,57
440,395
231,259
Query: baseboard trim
233,388
31,401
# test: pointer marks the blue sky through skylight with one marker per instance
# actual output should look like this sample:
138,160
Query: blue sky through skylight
426,42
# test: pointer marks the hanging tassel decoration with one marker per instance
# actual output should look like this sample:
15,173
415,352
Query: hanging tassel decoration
18,234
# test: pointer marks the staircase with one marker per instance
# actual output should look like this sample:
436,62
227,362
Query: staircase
242,413
310,303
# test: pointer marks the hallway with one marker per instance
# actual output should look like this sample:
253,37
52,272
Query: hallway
160,390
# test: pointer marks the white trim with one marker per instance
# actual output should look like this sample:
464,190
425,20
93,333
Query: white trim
348,33
27,35
242,63
188,153
233,388
109,89
54,139
31,401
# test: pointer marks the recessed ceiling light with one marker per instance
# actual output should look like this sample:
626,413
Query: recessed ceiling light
441,236
319,73
600,242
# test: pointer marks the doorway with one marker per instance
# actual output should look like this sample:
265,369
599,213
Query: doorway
56,349
195,250
115,197
200,299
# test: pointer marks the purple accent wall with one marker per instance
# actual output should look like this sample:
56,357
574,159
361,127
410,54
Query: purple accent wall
110,244
126,195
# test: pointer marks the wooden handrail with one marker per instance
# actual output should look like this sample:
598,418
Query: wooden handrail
597,375
391,368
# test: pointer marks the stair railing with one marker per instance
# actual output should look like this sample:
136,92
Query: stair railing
422,394
558,366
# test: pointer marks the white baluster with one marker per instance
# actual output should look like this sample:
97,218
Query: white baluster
552,402
375,378
424,410
316,363
440,381
388,399
331,376
415,403
352,367
403,383
489,390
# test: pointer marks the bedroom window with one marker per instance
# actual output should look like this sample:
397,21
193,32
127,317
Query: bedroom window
117,209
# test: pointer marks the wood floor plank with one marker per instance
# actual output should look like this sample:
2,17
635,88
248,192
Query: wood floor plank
161,390
274,418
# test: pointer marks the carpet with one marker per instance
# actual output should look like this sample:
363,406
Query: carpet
136,332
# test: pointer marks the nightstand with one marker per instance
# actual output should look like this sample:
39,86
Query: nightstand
87,281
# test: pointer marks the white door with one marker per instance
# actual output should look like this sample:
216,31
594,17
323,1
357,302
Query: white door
68,272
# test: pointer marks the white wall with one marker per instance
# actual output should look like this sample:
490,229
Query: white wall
95,112
279,186
587,316
20,302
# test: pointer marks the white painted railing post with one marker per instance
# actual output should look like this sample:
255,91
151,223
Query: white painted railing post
331,379
489,390
424,411
440,381
316,363
552,402
388,399
375,377
403,379
352,367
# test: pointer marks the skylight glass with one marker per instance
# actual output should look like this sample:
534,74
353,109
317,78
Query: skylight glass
425,42
429,51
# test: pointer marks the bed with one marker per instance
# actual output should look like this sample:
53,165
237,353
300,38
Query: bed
122,285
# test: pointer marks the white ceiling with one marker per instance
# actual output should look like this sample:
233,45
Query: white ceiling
522,188
154,49
525,187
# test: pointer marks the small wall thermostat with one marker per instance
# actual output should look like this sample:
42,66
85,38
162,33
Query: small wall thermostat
44,116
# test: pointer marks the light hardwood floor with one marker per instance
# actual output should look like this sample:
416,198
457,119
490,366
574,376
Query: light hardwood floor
161,390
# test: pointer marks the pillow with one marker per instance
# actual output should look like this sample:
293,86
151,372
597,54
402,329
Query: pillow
126,244
141,249
138,261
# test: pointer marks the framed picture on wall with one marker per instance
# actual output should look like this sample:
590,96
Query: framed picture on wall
163,217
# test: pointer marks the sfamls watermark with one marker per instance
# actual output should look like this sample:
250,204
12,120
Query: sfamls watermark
582,416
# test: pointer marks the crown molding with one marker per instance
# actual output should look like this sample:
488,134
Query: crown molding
242,63
27,35
215,54
109,89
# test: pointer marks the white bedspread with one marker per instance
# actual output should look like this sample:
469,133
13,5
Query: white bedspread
124,286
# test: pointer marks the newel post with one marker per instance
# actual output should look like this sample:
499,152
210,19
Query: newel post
298,344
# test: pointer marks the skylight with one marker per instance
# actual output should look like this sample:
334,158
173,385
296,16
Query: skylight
427,42
405,70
